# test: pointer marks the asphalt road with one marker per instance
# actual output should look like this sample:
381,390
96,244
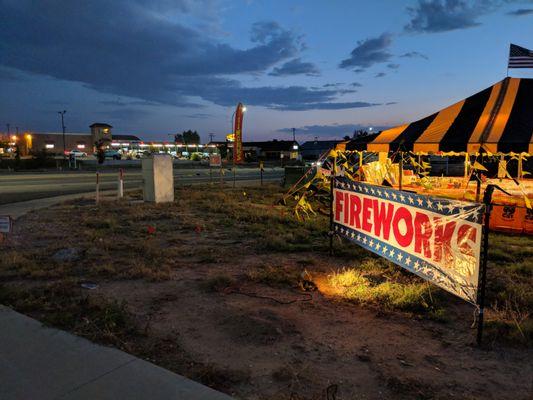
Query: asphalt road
23,186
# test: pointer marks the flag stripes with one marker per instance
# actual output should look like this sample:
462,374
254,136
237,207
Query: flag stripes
520,57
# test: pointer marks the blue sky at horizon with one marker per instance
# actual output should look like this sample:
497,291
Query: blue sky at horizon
133,69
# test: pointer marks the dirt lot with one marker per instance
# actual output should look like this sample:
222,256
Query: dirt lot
220,287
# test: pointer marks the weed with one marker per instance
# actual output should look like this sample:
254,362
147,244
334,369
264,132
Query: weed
359,286
273,275
63,306
217,283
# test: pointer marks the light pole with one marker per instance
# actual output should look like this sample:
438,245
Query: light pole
62,113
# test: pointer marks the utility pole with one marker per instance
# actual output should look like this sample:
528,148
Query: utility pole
8,126
62,113
211,136
17,130
294,134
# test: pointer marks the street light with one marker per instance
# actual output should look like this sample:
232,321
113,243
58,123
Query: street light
62,113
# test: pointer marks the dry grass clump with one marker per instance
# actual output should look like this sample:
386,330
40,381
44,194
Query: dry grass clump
65,306
362,286
510,289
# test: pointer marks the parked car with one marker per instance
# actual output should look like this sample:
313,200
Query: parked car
77,153
142,154
115,155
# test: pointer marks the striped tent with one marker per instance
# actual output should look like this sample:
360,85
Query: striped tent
497,119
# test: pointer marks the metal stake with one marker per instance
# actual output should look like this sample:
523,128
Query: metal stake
97,188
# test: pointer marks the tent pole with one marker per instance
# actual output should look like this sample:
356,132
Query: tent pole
519,172
467,161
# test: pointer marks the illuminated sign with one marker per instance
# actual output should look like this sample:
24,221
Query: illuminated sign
437,239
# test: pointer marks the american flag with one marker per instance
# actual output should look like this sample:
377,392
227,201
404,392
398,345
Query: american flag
520,57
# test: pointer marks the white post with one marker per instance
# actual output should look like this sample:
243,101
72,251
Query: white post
97,188
120,191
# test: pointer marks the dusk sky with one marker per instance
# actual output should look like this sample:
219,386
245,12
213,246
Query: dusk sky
157,67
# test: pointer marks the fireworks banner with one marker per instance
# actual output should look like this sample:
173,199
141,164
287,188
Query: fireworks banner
437,239
238,153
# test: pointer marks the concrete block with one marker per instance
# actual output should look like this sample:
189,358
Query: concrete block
158,178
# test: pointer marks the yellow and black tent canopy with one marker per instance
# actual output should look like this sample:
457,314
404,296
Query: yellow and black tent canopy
497,119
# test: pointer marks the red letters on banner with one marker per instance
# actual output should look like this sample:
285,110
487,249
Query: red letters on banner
431,237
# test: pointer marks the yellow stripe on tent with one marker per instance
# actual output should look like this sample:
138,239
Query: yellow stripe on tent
473,142
503,116
381,143
431,137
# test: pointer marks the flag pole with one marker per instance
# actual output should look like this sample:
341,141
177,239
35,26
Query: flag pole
508,59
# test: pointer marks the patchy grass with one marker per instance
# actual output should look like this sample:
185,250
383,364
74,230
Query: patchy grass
369,285
207,227
510,289
64,306
274,275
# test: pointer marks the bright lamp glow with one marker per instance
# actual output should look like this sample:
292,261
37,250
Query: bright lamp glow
49,146
243,108
81,146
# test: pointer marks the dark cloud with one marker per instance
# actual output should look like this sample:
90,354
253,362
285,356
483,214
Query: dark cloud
131,49
447,15
355,84
414,54
520,12
296,67
228,92
124,114
393,66
327,106
121,103
199,116
11,75
331,130
337,84
380,75
368,52
359,70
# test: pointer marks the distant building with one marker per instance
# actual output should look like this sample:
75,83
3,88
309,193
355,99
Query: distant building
268,150
52,142
101,132
312,150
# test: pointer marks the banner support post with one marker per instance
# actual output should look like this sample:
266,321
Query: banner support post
330,233
401,169
331,184
478,186
487,200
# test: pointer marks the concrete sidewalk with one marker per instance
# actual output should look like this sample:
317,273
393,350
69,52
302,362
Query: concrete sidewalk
44,363
18,209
